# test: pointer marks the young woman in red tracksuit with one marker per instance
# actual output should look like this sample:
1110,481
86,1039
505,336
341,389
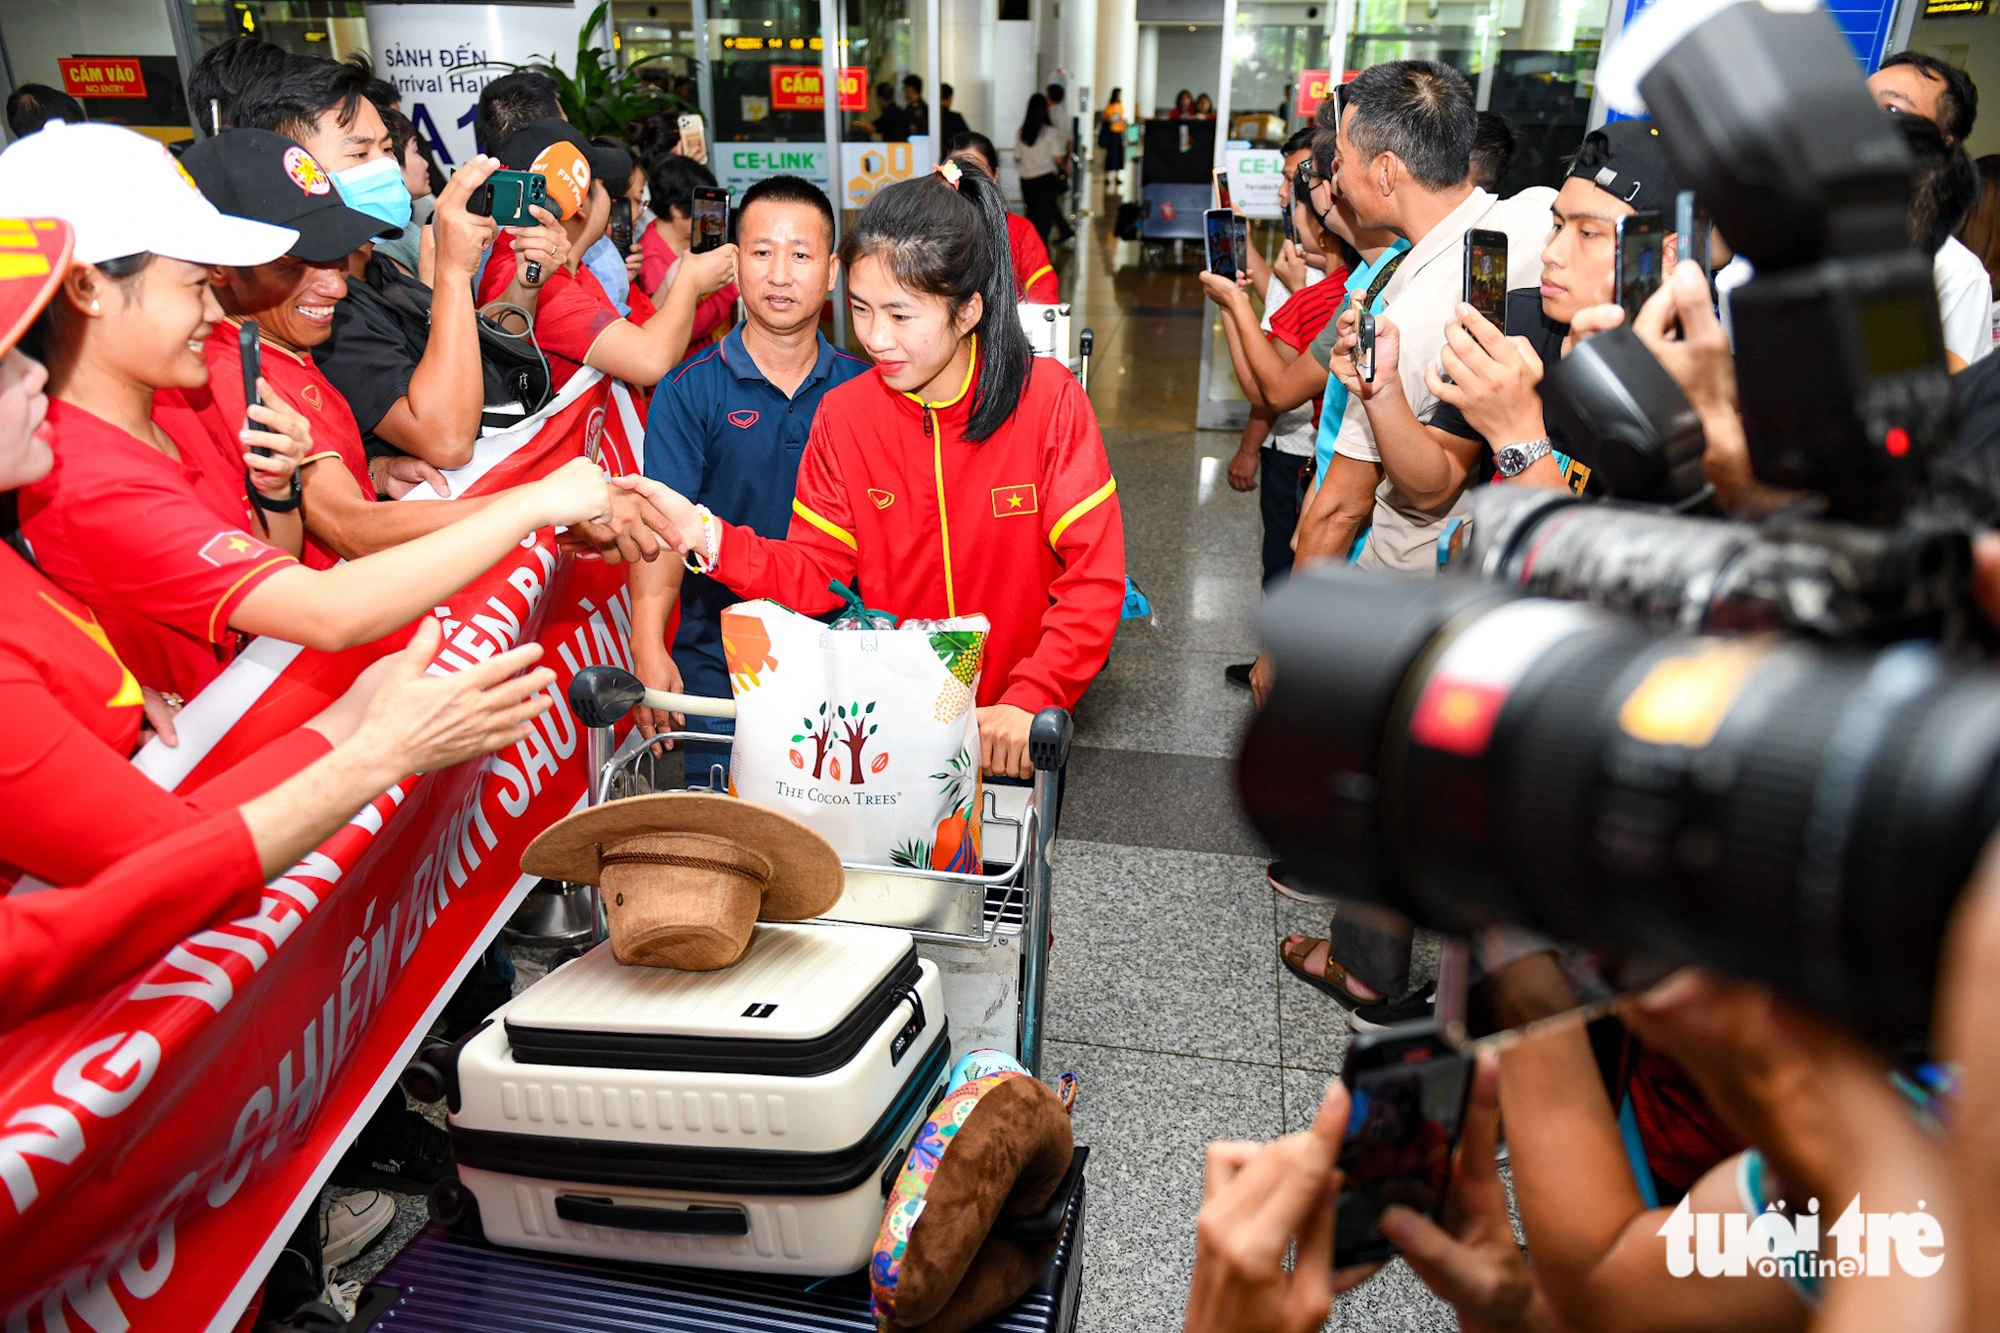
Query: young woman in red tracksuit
964,476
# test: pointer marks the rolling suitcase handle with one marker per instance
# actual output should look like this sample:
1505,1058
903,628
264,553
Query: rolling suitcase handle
695,1220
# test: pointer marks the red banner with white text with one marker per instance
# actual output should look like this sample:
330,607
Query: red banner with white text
158,1143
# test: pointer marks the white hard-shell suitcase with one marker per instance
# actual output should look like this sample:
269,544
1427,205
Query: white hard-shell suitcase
751,1118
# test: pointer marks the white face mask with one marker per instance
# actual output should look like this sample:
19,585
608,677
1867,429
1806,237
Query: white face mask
376,188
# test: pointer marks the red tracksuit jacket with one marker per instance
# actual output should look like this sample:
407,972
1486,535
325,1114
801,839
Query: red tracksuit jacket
1024,528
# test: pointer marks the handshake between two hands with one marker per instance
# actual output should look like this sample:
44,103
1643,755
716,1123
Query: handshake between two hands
620,519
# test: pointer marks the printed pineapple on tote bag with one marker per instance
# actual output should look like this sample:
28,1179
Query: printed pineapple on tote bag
868,735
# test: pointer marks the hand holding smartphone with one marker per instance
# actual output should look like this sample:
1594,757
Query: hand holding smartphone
251,352
1222,190
1364,347
1485,282
694,137
1408,1087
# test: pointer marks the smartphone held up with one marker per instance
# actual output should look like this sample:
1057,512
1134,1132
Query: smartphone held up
1485,288
1694,230
1641,262
251,352
1407,1087
1219,242
694,137
507,197
620,226
710,220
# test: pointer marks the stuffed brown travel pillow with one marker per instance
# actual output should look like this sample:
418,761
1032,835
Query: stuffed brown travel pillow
978,1209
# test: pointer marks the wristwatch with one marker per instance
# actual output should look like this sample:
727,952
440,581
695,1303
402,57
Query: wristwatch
1514,459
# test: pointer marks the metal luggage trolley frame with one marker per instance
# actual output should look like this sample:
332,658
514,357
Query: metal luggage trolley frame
986,911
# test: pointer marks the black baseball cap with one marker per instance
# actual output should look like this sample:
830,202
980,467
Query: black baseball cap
265,176
543,146
1635,168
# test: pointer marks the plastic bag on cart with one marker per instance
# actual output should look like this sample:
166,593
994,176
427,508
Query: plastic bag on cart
869,736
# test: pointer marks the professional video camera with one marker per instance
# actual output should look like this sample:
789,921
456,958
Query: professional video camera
1803,814
1791,571
1842,377
1799,812
1841,370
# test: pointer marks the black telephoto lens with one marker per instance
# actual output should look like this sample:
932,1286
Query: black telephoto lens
1791,812
1837,580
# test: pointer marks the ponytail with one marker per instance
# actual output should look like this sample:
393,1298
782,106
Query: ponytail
949,240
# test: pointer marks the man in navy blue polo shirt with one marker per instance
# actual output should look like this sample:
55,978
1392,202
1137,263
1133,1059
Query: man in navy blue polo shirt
727,430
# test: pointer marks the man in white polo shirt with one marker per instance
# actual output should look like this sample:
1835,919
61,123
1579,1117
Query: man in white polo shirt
1405,148
1405,141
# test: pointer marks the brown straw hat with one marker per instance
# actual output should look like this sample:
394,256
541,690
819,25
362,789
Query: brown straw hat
686,875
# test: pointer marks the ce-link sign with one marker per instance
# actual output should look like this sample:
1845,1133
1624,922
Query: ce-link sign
1254,177
738,166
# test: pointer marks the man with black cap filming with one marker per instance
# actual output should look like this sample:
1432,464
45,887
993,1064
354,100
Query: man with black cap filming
576,323
269,178
1491,396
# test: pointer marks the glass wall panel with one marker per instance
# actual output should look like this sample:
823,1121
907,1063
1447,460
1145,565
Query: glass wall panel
332,28
1271,44
662,35
1533,61
882,41
765,96
115,56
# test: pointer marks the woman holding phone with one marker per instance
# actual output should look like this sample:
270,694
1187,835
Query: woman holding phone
75,712
963,477
674,181
141,514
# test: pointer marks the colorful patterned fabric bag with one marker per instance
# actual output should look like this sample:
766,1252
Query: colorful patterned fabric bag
869,735
977,1210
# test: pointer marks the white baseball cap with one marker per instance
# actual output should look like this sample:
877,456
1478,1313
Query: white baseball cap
125,194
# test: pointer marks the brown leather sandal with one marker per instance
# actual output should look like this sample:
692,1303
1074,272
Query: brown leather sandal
1332,978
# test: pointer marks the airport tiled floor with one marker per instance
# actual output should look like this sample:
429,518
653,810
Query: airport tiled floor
1165,993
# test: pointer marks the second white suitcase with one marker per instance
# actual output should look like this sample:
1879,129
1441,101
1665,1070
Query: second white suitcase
737,1119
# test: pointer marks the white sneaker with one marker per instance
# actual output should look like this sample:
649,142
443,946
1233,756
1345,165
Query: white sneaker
342,1297
348,1222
